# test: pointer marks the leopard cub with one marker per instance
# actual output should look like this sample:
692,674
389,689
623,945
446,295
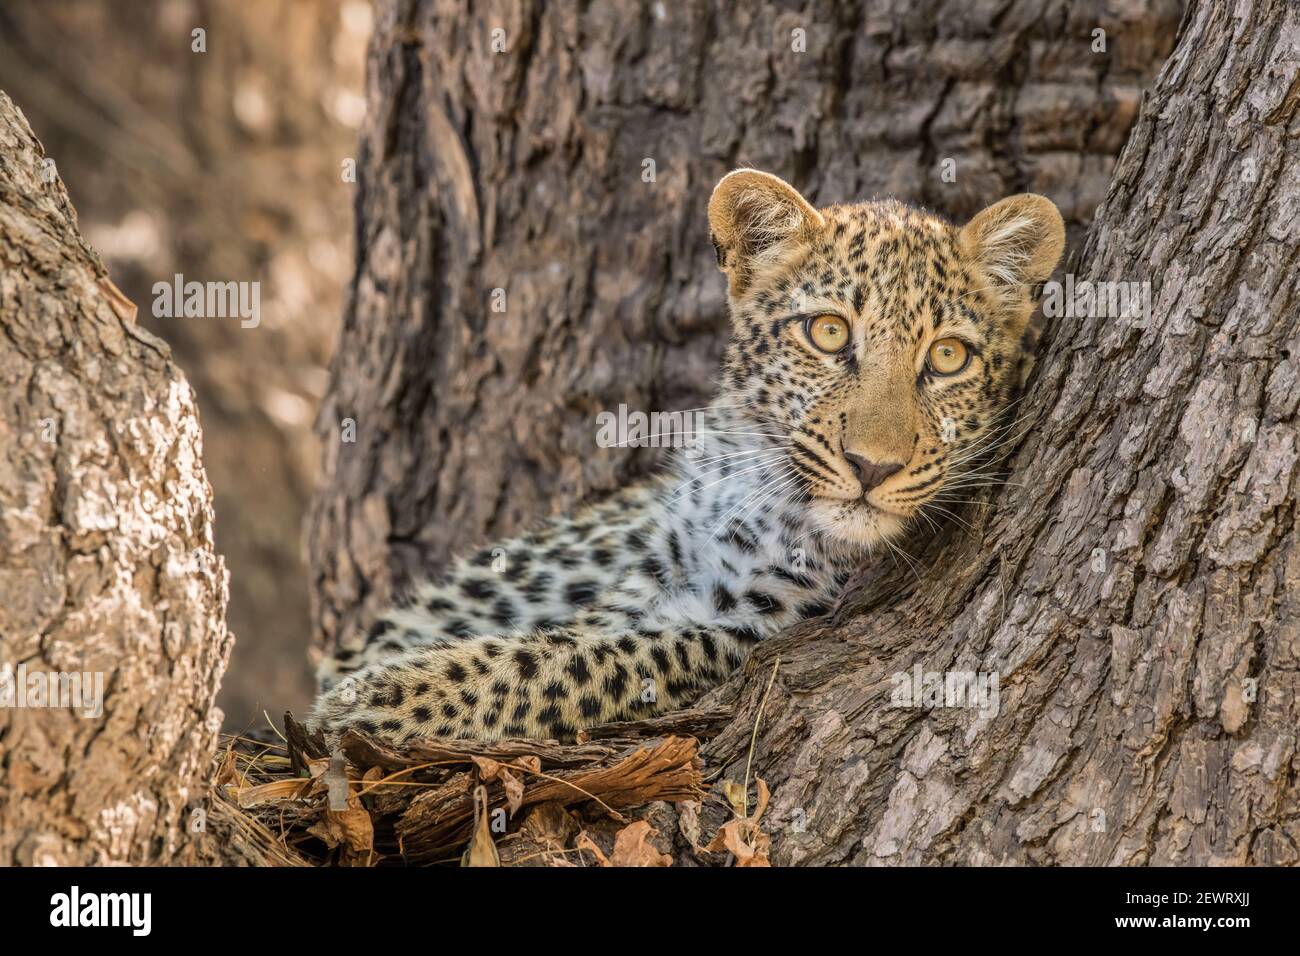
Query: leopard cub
874,349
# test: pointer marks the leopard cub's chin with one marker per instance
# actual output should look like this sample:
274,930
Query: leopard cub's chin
855,523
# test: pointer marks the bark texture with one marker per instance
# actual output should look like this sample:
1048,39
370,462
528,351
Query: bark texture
532,241
1136,586
106,557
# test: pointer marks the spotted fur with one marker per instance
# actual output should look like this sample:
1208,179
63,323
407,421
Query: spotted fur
637,604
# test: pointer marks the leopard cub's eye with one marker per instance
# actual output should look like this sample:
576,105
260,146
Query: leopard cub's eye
948,356
829,333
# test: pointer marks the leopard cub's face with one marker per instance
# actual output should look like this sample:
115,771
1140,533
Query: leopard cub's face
883,342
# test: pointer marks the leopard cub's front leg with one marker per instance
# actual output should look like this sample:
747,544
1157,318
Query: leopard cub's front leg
542,685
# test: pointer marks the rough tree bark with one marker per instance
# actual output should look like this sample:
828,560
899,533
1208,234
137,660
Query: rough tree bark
106,557
526,170
1136,586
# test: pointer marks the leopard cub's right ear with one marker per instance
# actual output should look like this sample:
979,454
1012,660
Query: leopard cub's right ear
754,214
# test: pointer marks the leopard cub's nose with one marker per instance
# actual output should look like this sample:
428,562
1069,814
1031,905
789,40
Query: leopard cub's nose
870,473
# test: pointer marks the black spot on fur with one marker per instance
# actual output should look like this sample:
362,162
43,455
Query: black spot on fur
652,567
709,648
616,683
679,689
723,599
579,593
763,603
539,586
746,635
683,655
504,613
478,589
577,670
526,663
460,629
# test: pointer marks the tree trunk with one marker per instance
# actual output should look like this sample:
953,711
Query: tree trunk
1135,589
220,165
532,241
107,568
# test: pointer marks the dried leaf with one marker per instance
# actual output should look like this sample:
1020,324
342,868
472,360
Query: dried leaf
746,842
742,836
481,850
531,763
345,821
550,825
585,842
291,788
542,838
229,771
735,794
514,790
490,770
688,821
358,829
351,828
632,847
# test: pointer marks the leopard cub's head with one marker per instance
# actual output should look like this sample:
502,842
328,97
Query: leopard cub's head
884,342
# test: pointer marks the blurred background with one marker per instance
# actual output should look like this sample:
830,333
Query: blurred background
220,166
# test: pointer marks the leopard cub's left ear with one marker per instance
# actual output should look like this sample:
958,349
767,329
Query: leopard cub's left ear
1018,241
